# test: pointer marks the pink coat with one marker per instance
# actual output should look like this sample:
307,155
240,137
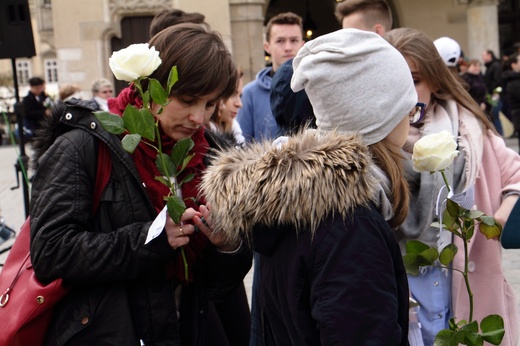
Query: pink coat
492,294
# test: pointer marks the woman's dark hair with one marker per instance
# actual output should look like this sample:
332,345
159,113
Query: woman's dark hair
167,18
203,62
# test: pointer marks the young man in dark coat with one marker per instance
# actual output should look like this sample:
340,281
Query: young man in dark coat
35,107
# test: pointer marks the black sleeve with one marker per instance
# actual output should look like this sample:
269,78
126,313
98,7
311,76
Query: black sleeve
291,110
64,240
225,271
34,110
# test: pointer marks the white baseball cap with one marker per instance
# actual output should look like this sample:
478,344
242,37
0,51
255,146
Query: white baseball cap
448,49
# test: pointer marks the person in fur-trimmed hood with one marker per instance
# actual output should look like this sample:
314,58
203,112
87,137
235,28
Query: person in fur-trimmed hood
320,207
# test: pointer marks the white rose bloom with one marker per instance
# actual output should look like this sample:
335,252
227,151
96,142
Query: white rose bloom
137,60
434,152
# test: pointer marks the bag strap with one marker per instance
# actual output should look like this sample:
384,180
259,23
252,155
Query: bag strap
104,168
21,245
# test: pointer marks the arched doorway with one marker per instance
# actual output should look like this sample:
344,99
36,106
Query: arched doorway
318,15
134,30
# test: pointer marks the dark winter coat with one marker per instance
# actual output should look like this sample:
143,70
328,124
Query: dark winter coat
34,111
477,86
512,81
119,289
331,268
292,111
493,75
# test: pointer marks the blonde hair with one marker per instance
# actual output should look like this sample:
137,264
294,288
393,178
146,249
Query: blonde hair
99,83
390,159
67,90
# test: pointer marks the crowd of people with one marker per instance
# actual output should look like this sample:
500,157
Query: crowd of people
304,172
490,89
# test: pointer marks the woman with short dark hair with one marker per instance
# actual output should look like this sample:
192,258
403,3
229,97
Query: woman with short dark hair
121,289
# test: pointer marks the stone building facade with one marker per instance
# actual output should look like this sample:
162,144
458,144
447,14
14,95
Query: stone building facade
74,38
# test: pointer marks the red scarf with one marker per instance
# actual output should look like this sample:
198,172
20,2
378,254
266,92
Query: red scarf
144,159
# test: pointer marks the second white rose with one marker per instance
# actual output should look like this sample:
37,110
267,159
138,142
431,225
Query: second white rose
434,152
137,60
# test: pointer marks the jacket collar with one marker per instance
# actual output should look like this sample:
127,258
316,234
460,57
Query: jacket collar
296,184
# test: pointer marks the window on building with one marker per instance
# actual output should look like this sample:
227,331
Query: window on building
23,71
47,2
51,71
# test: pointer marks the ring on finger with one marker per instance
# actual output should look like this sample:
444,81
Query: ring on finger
181,232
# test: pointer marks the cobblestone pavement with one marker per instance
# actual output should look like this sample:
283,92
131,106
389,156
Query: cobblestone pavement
13,211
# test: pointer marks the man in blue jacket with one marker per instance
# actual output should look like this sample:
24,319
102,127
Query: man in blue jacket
284,37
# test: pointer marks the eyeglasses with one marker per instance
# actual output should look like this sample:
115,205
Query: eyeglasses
106,92
417,114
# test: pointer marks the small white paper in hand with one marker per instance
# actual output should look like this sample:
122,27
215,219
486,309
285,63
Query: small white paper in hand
157,225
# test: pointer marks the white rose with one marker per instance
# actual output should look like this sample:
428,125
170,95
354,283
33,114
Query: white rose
434,152
137,60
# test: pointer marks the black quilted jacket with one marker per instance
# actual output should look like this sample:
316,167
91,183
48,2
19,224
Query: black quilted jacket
119,290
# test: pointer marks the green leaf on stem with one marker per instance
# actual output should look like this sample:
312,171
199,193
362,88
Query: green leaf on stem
110,122
448,220
447,254
139,122
146,98
473,214
130,142
137,84
162,180
490,231
456,232
176,208
185,162
473,339
180,150
468,223
415,247
445,337
469,226
165,165
453,208
187,178
412,261
471,327
492,328
452,324
428,257
460,336
467,335
159,96
410,264
488,220
173,77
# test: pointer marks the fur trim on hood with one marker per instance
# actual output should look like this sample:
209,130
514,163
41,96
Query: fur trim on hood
296,184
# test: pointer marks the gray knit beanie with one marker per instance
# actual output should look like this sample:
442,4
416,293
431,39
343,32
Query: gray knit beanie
356,82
